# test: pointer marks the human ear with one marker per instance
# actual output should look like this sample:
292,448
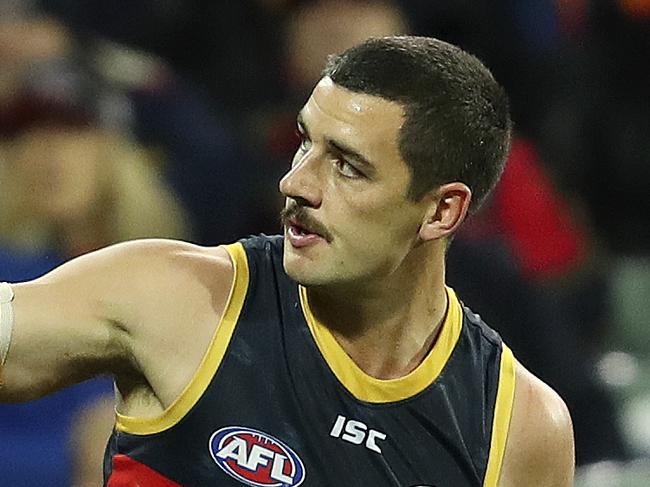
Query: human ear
448,208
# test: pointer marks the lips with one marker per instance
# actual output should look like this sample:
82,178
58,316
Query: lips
300,228
300,236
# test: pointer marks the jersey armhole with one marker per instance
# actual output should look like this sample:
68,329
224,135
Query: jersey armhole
210,362
502,416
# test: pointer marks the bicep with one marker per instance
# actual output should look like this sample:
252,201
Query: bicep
63,332
111,311
540,446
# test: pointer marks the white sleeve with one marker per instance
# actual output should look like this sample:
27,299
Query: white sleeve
6,319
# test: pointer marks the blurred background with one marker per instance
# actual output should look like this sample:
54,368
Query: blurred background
122,119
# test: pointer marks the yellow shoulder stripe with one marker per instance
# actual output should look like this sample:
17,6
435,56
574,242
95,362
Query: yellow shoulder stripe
502,415
211,360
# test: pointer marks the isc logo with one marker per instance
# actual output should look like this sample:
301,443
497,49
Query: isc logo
256,458
356,432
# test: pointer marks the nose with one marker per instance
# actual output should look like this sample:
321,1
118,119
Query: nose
301,182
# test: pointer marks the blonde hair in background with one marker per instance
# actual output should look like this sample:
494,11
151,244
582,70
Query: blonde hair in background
109,180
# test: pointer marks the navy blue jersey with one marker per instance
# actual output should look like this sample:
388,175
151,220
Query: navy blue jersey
277,402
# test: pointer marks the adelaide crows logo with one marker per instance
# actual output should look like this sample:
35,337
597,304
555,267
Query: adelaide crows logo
256,458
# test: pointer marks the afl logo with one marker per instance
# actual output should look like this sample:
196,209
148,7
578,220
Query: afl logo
256,458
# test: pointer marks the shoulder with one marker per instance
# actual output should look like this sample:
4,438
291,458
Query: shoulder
152,258
160,267
146,277
263,244
540,446
150,249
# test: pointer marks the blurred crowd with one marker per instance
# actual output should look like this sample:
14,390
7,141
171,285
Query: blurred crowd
123,119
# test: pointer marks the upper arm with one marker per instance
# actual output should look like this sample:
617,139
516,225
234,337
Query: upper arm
89,316
540,447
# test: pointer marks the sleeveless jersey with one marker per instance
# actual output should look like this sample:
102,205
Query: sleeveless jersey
277,402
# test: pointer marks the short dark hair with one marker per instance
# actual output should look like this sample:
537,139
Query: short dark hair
457,123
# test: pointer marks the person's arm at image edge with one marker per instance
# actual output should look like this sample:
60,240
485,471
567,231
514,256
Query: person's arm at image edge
94,314
540,448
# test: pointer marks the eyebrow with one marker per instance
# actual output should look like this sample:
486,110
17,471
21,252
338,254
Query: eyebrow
339,147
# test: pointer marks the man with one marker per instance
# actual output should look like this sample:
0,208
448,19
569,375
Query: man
334,355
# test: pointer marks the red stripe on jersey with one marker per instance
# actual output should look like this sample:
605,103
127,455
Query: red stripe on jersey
130,473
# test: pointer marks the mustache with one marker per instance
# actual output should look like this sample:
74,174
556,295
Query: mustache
295,214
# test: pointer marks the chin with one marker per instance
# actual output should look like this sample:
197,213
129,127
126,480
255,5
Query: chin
303,271
296,270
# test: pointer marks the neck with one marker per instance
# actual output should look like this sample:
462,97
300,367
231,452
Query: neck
388,326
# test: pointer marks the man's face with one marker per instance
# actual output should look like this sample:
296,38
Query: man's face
347,218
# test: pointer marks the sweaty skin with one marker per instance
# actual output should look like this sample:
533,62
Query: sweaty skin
146,311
